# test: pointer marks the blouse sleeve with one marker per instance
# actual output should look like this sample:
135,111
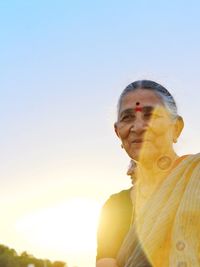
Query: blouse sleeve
114,224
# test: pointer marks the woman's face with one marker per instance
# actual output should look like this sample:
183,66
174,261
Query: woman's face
144,126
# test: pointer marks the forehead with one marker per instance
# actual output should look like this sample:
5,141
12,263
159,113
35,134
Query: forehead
142,96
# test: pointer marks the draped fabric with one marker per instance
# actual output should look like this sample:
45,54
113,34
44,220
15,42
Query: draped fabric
167,232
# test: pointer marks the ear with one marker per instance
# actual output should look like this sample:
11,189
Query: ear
116,129
178,127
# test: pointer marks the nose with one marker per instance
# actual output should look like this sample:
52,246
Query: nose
139,125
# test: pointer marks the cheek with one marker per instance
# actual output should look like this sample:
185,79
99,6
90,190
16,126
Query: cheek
161,134
123,132
160,127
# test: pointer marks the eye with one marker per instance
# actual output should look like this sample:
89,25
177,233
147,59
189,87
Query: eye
153,116
156,116
127,118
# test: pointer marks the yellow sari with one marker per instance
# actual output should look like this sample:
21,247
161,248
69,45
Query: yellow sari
167,232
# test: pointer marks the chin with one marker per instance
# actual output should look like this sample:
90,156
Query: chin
135,155
142,155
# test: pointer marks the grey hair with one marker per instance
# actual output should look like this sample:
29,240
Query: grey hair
160,91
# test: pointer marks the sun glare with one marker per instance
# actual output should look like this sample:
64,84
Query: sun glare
67,229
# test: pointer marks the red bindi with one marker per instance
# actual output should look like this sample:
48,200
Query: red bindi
138,109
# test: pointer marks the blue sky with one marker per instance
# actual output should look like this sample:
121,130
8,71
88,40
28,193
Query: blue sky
63,65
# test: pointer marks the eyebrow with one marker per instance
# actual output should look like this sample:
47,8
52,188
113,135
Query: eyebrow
130,110
148,108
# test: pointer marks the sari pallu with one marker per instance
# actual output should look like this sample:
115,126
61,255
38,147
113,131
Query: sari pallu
167,233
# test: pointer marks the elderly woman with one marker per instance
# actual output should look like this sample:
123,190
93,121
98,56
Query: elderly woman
157,221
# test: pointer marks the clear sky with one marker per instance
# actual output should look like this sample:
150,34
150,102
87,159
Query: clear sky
63,65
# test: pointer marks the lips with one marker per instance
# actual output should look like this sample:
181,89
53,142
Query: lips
137,141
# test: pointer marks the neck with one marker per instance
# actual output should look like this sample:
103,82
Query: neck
151,173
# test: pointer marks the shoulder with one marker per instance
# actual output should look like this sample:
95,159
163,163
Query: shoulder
118,205
191,158
119,198
186,162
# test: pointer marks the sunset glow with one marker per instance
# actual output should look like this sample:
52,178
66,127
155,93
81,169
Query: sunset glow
68,229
